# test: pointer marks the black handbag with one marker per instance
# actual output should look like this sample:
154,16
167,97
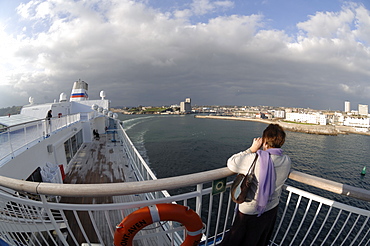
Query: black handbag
244,187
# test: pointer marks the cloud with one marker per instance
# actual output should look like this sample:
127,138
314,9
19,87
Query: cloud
355,89
140,55
329,24
201,7
362,22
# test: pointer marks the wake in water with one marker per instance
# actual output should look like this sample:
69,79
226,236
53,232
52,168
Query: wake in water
130,123
138,135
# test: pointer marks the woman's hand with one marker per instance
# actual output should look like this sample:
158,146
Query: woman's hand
256,145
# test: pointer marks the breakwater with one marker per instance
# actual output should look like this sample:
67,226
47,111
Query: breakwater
295,127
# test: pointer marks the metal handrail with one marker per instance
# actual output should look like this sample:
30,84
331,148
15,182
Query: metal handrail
113,189
24,139
329,185
6,128
127,188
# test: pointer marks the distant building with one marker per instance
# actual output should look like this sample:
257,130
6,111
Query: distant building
323,120
268,116
353,112
363,109
315,118
185,107
357,122
347,106
336,119
288,110
261,116
279,114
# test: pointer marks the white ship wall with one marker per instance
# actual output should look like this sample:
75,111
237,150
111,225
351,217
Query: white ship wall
63,108
40,111
37,156
99,124
86,106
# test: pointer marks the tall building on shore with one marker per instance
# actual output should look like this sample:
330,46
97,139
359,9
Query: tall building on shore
363,109
347,106
185,107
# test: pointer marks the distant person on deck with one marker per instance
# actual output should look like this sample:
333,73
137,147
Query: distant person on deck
96,134
255,220
49,115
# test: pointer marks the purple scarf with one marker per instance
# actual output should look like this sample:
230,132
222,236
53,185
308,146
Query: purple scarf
266,182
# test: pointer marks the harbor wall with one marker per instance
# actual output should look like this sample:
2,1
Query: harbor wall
295,127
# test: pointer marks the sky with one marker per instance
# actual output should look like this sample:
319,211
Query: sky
284,53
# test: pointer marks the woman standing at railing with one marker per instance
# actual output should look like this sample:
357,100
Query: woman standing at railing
254,221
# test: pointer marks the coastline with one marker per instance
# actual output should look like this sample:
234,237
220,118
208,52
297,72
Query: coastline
295,127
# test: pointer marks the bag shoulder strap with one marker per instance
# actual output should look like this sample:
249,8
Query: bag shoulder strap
251,168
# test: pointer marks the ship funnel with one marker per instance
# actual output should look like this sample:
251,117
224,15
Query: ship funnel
79,91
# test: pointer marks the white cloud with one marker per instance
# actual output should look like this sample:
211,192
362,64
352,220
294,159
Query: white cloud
44,10
329,24
182,14
334,39
362,24
356,90
9,63
201,7
24,9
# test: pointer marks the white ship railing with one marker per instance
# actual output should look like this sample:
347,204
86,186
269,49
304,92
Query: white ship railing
142,170
18,138
31,215
306,218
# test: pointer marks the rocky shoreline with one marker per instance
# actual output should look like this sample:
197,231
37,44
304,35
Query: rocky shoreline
295,127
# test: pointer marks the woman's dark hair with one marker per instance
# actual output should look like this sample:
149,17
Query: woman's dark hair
273,136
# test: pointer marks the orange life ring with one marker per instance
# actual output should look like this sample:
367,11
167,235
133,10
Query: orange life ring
134,222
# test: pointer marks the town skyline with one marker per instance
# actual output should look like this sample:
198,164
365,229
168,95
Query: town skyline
345,106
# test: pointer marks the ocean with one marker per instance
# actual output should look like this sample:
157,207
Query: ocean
181,144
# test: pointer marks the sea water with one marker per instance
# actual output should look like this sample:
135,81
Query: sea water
182,144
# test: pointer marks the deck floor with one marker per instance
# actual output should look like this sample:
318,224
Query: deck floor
101,161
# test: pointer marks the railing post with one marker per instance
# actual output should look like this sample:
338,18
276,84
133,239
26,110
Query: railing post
45,127
51,217
198,203
64,121
25,136
38,131
10,144
52,125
